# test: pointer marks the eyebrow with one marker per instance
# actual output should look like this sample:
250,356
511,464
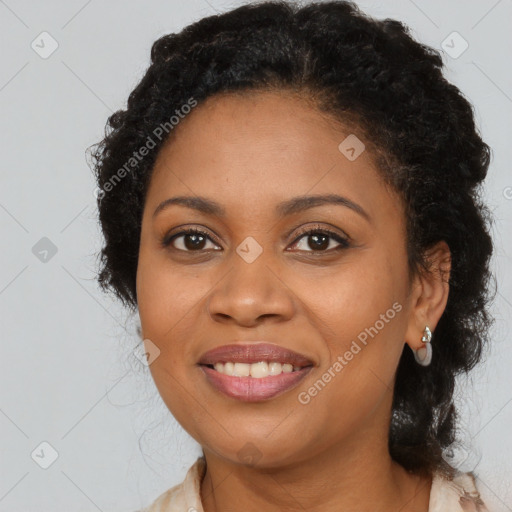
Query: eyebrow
289,207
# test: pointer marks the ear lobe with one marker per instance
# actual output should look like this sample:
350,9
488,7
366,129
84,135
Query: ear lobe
430,294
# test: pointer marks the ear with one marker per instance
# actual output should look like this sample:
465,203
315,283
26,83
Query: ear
429,294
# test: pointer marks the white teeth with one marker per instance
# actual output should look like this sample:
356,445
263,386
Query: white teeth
256,370
259,370
242,370
287,368
274,368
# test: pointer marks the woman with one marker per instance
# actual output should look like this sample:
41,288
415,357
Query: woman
289,199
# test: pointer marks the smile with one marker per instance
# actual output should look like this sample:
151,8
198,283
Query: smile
257,370
257,387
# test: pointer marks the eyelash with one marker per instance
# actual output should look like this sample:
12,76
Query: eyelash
344,242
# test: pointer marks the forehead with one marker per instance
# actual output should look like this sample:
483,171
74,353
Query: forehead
272,145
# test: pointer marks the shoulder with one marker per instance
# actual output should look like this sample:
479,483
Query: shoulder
184,497
456,494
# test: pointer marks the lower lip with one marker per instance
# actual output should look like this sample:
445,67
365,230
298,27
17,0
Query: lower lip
251,389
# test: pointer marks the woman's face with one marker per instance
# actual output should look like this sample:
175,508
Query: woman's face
340,300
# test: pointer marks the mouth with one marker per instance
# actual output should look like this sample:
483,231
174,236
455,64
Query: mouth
259,370
254,372
255,352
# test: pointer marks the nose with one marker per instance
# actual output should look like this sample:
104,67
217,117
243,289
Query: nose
251,293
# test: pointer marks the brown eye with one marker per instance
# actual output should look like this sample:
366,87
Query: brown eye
191,240
320,240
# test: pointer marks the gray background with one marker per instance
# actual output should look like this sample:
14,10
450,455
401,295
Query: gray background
69,376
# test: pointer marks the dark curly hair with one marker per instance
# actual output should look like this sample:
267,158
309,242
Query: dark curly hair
373,77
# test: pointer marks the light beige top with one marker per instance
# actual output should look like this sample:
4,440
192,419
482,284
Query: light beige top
457,495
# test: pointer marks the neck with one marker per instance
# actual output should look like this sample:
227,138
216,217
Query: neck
357,474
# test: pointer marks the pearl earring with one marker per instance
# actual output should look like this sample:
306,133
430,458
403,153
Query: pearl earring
423,355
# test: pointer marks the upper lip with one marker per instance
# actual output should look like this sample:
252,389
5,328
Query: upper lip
254,353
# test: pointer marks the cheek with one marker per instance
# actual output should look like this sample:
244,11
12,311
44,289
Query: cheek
167,304
359,313
165,293
353,298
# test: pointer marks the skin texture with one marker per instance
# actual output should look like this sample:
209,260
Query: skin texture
249,153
